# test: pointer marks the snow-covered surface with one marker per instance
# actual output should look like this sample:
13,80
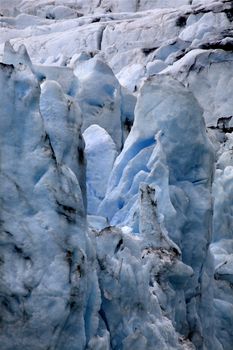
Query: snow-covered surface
116,174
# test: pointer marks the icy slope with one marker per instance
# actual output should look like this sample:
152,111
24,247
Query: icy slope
116,220
45,249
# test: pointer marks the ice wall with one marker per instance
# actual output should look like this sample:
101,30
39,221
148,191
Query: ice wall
63,286
46,270
120,238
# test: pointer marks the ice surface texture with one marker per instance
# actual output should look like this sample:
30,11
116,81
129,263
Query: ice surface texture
116,175
44,244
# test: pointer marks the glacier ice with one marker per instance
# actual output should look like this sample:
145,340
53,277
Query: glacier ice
43,250
100,151
116,175
180,173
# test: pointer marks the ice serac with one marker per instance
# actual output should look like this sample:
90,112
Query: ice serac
142,278
102,99
207,75
99,97
134,279
168,149
100,151
49,292
222,245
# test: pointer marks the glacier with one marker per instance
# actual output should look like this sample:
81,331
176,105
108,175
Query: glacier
116,175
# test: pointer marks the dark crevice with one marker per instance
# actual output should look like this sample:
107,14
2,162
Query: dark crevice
223,125
66,208
229,13
47,140
5,66
18,250
228,46
181,54
7,305
9,233
119,246
96,20
50,16
128,124
99,3
138,3
148,50
68,218
69,259
104,318
181,21
67,211
81,156
100,38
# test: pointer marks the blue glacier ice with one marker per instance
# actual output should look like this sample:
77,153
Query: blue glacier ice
44,252
180,173
116,175
100,153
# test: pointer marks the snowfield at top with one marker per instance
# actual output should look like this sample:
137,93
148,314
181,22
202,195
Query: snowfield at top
116,175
